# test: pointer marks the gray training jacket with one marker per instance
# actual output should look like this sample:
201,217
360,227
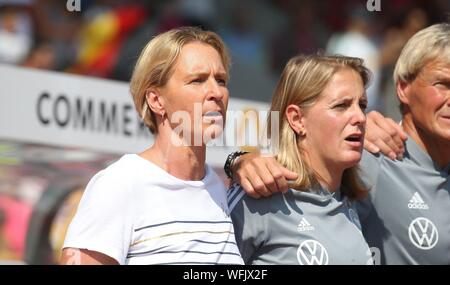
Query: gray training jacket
405,219
306,228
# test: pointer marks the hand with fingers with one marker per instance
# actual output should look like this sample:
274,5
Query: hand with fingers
385,136
261,175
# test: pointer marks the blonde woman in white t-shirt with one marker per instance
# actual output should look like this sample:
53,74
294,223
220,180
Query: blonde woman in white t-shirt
164,205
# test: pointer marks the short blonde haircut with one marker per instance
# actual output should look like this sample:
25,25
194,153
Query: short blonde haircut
302,82
156,64
427,45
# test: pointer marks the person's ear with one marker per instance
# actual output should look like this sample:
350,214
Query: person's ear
403,92
295,118
155,102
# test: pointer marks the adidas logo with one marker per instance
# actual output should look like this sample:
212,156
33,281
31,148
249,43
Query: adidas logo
417,202
304,226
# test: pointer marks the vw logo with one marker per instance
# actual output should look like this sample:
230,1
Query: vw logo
423,233
312,252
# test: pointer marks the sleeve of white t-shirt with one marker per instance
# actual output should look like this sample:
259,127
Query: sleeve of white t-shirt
103,221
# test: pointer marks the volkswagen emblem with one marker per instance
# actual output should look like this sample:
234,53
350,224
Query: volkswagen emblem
423,233
312,252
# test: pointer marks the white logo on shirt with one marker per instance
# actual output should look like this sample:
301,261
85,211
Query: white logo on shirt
423,233
417,202
312,252
304,226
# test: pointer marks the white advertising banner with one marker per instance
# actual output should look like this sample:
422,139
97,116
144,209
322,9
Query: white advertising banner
75,111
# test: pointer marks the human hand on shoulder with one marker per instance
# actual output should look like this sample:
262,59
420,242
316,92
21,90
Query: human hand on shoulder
384,135
261,175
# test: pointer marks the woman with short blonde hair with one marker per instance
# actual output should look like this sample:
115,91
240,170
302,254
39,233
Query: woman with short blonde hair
156,62
164,205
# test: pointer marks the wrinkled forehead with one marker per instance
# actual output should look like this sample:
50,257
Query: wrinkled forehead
198,57
439,67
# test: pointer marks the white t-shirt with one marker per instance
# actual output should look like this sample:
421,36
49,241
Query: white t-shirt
137,213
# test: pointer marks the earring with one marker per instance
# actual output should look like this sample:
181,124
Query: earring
144,111
302,132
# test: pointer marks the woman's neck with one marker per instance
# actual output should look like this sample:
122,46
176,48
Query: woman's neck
183,162
329,179
328,176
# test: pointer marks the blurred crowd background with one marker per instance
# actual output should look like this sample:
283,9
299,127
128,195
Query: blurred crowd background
105,37
104,40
